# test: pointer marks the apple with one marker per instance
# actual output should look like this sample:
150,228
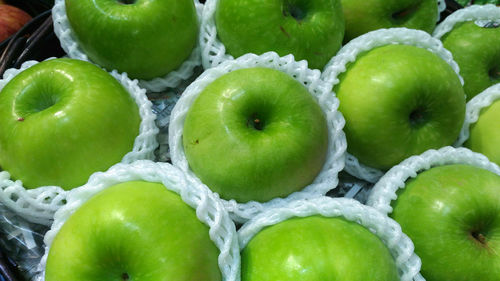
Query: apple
133,231
11,20
63,120
484,134
255,134
362,16
145,38
317,248
477,2
476,50
310,30
452,213
398,101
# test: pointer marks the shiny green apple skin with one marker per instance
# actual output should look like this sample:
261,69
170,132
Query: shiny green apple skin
133,231
477,52
146,39
485,133
398,101
317,249
63,120
442,210
242,160
309,29
362,16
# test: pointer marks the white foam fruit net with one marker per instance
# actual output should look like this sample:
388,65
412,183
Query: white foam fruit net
326,180
70,45
385,189
473,110
487,12
209,209
348,54
39,205
389,231
213,51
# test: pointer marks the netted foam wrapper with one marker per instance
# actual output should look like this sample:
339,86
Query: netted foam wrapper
70,45
389,231
480,14
385,189
473,109
213,51
326,180
348,54
39,205
209,209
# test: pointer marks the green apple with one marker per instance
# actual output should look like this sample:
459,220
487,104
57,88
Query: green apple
63,120
308,29
133,231
477,2
317,248
145,38
452,214
362,16
485,132
255,134
476,50
398,101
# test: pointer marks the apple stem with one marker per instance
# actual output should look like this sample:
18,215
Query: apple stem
479,237
20,119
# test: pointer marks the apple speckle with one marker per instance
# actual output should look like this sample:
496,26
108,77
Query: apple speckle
284,31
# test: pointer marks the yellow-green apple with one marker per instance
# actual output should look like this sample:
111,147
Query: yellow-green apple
484,134
11,20
452,214
309,29
317,248
63,120
398,101
255,134
133,231
145,38
476,50
362,16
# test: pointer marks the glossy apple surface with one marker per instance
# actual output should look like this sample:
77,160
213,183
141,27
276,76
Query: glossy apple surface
317,248
362,16
485,133
133,231
308,29
255,134
145,38
11,20
452,214
477,52
398,101
63,120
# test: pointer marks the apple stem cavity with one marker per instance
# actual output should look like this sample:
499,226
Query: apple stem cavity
294,11
125,277
255,122
126,2
479,237
494,73
417,117
403,15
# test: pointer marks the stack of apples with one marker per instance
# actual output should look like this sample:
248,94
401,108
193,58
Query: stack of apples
397,100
